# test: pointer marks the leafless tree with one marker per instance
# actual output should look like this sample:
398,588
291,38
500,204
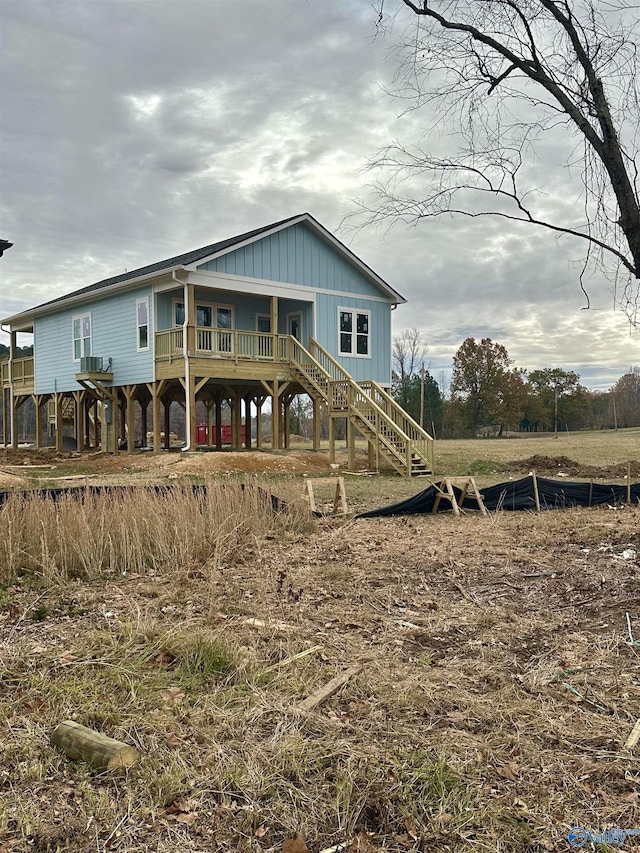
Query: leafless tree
409,352
506,78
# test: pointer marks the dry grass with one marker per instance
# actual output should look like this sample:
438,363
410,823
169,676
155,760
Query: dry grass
82,534
497,691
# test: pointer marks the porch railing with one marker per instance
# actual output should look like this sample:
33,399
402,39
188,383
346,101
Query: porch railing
222,343
22,372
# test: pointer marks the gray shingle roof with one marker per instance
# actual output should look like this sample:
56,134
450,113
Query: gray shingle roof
177,261
196,255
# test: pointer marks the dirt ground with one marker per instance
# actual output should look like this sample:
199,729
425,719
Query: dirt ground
498,684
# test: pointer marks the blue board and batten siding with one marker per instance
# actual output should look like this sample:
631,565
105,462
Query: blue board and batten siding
114,332
298,256
295,255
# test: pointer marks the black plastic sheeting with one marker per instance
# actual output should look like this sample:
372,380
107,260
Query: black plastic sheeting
277,505
517,495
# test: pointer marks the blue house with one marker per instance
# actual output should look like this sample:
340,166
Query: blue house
283,310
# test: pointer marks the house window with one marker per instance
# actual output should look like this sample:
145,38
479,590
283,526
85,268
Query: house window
81,336
353,331
207,316
142,318
263,323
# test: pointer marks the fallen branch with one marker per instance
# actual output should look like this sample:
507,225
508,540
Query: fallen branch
317,698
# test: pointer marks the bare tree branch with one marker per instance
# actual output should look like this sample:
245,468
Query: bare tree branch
502,76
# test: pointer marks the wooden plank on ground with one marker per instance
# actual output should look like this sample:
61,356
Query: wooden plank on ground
317,698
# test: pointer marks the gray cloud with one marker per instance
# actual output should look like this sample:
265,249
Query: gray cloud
135,130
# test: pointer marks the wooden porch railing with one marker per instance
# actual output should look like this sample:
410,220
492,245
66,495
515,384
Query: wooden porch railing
22,372
221,343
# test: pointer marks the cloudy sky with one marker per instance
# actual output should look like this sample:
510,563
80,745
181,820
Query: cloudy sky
133,130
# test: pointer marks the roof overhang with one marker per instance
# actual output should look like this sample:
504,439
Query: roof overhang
19,322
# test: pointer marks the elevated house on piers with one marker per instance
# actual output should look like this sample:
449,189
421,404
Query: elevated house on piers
283,310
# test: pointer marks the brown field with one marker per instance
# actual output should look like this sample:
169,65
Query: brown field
497,683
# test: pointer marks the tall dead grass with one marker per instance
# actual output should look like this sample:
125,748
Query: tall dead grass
83,535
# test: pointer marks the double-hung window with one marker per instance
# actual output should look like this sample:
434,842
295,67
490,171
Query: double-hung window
142,321
354,332
81,336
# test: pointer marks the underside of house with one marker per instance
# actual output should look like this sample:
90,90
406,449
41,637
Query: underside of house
242,326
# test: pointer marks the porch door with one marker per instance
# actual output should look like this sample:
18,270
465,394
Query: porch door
294,323
224,320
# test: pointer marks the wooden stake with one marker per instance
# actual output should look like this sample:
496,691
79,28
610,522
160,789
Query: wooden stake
317,698
536,493
633,738
82,744
628,483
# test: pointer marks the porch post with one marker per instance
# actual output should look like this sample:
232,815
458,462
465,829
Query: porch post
6,414
274,326
12,411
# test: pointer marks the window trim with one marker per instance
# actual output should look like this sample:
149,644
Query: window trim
139,325
354,334
81,317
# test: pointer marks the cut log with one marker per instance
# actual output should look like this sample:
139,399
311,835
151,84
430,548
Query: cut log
82,744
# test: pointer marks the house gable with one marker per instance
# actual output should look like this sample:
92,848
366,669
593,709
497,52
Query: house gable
302,253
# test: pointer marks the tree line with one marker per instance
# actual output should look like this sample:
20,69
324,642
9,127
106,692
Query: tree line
489,395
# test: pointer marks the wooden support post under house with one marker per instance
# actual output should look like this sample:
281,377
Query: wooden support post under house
351,445
247,421
79,419
259,401
317,423
218,422
58,402
167,422
209,409
332,440
130,432
286,420
275,417
144,425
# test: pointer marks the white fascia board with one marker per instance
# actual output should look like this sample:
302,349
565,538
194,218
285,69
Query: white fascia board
395,297
251,286
267,287
83,298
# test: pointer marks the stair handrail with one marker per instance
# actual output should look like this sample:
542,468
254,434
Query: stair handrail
421,440
403,455
413,425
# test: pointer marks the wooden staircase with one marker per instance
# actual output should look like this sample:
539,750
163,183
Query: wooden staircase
400,440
